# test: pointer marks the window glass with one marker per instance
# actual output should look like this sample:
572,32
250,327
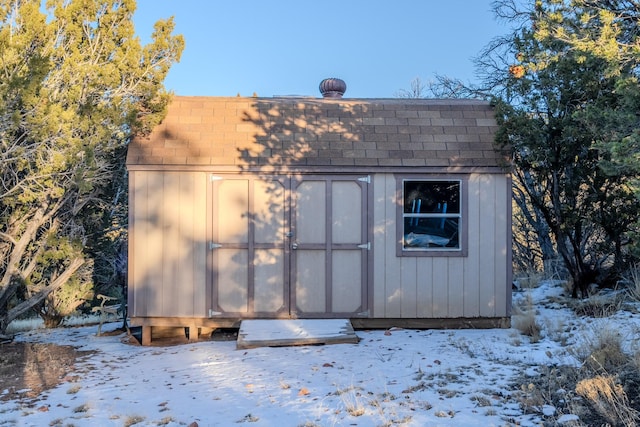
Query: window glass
431,215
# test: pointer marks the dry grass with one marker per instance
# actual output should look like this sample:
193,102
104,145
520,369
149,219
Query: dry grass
74,389
603,389
557,330
603,350
633,282
609,399
133,420
248,419
82,408
599,305
635,360
524,319
529,280
352,401
165,421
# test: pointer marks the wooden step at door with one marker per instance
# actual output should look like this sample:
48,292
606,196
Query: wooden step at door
288,332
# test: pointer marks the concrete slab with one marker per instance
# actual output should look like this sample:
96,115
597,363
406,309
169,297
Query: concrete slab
288,332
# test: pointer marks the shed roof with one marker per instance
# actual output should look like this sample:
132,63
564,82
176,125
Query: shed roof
319,132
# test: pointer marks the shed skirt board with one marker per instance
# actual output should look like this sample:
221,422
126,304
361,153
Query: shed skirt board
287,332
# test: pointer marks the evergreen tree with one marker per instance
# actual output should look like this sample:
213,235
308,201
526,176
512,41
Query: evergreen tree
75,84
568,103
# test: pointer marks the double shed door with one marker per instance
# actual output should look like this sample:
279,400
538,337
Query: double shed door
288,246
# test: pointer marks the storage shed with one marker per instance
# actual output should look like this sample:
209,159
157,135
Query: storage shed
389,212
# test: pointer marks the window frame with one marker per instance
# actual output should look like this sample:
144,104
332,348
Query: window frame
463,217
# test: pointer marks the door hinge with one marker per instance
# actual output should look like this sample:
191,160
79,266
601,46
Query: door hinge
213,313
215,178
213,246
366,179
366,246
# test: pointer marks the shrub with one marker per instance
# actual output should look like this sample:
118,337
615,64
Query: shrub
65,300
632,280
608,399
524,319
599,306
529,280
603,351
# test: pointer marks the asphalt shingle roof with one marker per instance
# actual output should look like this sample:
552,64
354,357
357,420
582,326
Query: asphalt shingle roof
319,132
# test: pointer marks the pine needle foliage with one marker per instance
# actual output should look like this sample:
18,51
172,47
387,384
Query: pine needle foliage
75,85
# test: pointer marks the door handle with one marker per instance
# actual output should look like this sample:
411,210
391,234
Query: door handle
294,245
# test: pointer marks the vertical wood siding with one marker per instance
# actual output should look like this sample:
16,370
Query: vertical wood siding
477,285
167,244
168,249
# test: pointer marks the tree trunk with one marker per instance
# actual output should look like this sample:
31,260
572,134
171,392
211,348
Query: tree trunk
526,194
8,316
19,248
581,275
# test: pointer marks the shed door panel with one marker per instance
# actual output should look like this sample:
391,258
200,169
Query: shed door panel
231,213
248,256
310,278
346,295
347,262
232,271
329,248
286,247
232,257
269,290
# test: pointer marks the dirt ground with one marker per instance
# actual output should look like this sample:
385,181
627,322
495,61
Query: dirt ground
28,369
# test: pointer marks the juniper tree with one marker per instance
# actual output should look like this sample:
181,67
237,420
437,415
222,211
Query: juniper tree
75,84
567,105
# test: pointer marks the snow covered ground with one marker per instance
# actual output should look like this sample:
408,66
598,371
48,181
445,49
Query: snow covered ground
390,378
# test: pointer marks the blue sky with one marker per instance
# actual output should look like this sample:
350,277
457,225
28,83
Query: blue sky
286,47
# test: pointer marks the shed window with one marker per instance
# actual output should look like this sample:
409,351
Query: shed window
431,215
